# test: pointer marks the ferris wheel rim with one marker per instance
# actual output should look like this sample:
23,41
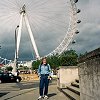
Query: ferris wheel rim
73,19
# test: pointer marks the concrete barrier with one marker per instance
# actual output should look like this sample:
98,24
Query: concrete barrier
66,75
89,75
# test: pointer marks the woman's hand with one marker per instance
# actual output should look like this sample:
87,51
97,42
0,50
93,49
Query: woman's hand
49,77
39,77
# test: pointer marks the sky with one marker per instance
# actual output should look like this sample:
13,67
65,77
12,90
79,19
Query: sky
49,22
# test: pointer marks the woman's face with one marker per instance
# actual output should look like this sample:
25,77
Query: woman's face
44,61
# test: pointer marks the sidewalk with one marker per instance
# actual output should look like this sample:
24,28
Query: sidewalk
33,93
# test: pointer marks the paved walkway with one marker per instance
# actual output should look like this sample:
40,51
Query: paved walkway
33,93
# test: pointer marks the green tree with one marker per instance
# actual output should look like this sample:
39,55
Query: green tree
25,68
53,61
9,68
67,58
35,64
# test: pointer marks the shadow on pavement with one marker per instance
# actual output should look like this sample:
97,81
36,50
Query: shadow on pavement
52,94
18,95
4,93
27,85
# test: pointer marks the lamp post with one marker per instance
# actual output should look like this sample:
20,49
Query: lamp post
0,54
16,54
14,71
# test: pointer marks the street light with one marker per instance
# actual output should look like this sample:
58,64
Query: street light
0,54
16,55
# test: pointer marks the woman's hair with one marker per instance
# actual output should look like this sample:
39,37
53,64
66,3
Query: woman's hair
42,60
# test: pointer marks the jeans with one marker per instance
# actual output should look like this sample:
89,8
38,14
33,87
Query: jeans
44,82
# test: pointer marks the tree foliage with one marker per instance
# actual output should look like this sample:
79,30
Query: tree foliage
9,68
35,64
67,58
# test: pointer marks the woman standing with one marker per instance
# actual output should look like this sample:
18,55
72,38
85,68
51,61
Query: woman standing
44,72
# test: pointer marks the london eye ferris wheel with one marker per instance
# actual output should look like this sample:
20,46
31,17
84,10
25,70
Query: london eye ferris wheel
51,24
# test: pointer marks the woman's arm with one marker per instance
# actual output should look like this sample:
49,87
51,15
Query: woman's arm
49,70
39,70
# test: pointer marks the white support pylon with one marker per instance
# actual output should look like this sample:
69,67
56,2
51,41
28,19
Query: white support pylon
32,37
24,16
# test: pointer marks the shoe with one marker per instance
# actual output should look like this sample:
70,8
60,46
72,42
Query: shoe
46,97
40,97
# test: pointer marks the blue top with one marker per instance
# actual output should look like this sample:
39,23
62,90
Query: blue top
44,69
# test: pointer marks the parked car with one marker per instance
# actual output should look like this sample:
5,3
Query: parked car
9,77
